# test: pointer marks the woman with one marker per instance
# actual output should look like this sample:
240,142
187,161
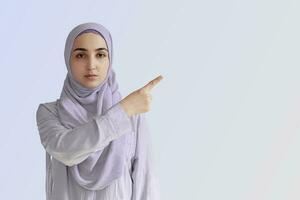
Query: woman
97,144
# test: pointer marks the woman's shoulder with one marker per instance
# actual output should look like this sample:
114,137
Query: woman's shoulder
46,109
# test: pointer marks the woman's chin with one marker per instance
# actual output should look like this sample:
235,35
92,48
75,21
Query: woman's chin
91,84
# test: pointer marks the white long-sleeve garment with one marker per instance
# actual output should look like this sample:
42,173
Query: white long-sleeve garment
67,147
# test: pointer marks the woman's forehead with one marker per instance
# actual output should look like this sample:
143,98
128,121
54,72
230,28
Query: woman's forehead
89,41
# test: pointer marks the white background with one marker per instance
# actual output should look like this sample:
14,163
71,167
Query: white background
225,118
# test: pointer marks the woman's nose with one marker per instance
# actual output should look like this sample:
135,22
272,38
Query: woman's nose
91,64
91,67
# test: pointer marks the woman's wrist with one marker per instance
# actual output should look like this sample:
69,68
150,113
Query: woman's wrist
125,107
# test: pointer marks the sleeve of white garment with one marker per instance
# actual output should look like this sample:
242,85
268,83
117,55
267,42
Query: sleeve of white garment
72,146
144,176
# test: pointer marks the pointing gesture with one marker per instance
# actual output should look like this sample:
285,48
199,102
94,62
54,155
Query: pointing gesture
152,83
139,100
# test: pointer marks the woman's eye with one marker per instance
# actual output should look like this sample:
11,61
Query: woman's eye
101,55
79,55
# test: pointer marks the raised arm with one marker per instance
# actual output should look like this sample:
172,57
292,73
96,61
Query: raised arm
145,181
72,146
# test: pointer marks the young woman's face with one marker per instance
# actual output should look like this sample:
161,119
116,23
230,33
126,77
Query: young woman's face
89,56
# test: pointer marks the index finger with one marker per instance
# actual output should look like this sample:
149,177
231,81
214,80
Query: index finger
152,83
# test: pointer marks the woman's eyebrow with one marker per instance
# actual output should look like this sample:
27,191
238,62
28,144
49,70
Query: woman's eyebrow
83,49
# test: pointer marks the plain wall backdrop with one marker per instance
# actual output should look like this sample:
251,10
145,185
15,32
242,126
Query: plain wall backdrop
224,120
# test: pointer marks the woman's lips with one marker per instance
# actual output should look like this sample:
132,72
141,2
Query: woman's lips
91,77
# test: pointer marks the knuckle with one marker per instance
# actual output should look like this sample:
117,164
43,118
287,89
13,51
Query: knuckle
147,101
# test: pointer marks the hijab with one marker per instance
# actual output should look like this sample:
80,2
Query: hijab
102,167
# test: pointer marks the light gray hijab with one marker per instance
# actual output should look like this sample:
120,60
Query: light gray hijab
104,166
